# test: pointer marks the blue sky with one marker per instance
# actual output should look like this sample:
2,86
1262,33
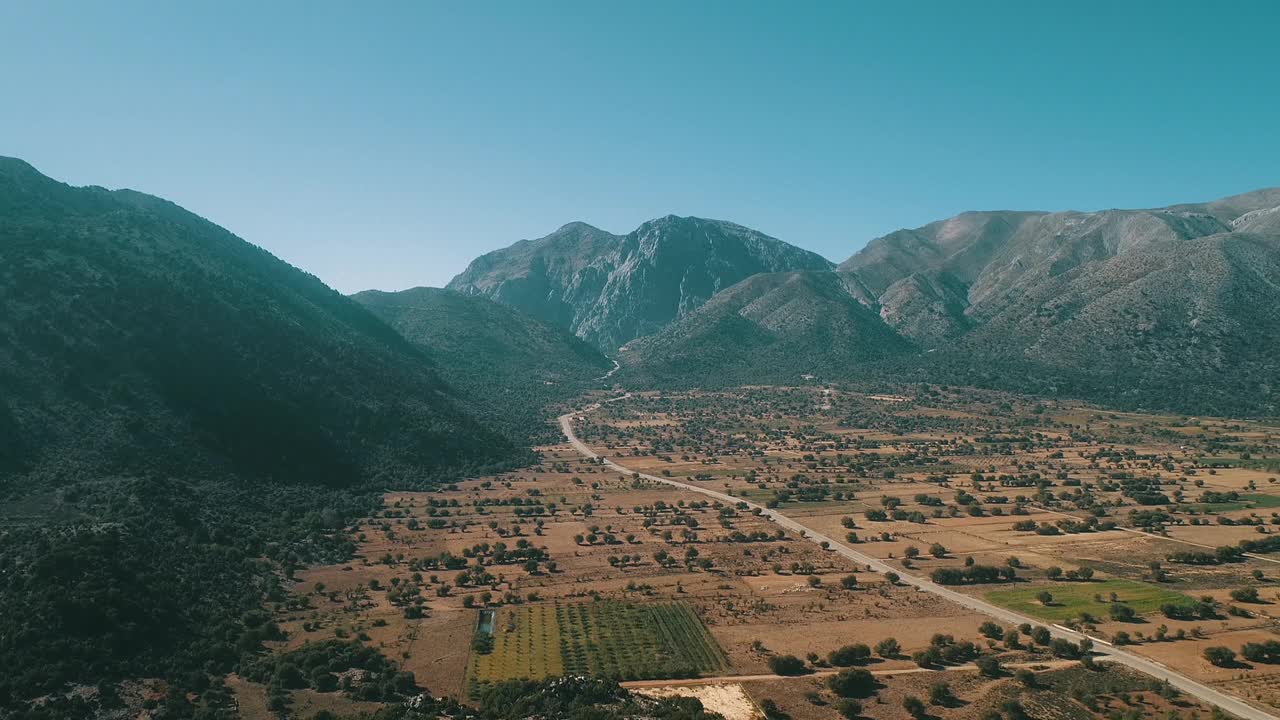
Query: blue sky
386,144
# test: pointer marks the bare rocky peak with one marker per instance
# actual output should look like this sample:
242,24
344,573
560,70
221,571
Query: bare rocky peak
609,289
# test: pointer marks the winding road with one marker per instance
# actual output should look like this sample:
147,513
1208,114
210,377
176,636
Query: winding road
1229,703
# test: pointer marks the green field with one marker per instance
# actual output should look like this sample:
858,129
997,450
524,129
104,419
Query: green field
1260,500
1072,598
627,641
1252,500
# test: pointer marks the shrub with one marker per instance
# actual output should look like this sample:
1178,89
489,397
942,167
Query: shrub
940,694
1263,652
991,630
1220,656
1245,594
1122,612
855,654
787,665
856,683
888,648
989,666
849,708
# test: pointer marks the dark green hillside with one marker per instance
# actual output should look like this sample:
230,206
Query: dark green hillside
184,419
505,364
137,337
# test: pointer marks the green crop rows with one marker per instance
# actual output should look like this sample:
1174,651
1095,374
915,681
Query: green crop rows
636,642
613,639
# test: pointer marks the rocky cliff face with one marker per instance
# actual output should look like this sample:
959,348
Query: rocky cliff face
609,289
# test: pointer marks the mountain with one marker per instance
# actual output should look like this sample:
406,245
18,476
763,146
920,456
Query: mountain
609,289
137,338
1171,308
507,365
185,420
769,328
1120,305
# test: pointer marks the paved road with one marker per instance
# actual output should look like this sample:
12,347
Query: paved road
1153,668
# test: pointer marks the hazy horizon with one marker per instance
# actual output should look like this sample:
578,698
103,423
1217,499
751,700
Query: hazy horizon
386,148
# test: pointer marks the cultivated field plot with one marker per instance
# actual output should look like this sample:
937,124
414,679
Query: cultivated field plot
525,645
627,641
1070,600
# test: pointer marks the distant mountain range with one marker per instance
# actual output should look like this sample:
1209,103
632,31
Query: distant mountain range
185,419
609,289
1175,307
1115,305
136,337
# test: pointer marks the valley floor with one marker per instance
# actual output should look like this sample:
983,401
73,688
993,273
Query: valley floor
587,569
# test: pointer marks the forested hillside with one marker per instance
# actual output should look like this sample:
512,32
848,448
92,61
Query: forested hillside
185,419
137,337
505,364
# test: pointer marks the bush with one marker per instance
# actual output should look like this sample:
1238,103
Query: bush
1122,612
772,711
857,683
855,654
940,694
1263,652
1245,594
848,708
1220,656
888,648
989,666
787,665
991,630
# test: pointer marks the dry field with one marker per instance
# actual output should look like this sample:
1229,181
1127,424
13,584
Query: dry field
1070,500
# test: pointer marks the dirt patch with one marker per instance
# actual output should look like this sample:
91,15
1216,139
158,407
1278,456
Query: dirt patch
730,700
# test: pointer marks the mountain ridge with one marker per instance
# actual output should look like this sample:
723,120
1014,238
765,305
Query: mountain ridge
1114,306
132,323
609,289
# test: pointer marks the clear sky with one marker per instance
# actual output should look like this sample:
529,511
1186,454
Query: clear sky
381,144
